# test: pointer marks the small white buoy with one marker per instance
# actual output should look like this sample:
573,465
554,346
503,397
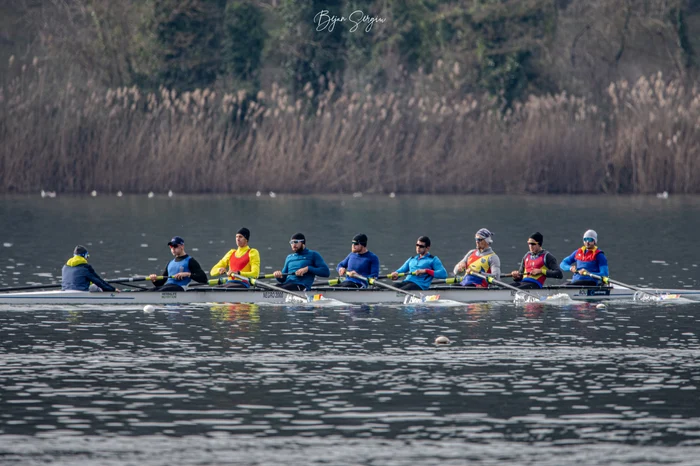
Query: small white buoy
150,194
170,194
600,306
442,340
272,194
148,309
258,194
93,193
119,194
392,195
43,193
357,194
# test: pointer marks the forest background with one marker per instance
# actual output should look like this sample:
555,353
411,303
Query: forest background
423,96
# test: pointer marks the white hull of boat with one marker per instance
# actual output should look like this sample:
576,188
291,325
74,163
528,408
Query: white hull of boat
350,296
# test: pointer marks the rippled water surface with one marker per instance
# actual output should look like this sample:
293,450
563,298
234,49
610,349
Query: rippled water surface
246,384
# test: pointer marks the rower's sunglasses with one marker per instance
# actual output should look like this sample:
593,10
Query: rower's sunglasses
532,244
355,243
588,240
296,241
421,246
478,239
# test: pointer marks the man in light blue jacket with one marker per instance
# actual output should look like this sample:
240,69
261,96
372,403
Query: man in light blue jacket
422,267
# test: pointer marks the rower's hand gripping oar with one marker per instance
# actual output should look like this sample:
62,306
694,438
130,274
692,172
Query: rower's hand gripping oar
640,295
298,297
531,298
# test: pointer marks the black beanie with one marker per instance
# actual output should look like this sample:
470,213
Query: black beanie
299,236
361,238
537,236
245,232
80,251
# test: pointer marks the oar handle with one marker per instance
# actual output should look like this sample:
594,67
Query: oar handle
270,275
402,274
585,273
133,279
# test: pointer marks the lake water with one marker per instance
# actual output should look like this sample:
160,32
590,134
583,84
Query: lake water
246,384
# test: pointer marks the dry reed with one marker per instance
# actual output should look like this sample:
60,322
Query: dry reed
424,138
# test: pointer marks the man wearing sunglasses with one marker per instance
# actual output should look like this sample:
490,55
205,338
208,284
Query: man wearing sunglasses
421,268
481,260
360,261
180,271
301,267
588,258
537,265
78,275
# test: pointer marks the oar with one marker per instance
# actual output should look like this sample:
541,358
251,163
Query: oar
411,298
58,285
270,275
30,287
302,297
607,280
505,285
133,279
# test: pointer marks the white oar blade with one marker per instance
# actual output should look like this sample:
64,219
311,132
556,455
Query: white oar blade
292,299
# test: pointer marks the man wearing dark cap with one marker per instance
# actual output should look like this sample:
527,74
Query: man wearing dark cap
179,271
537,265
243,261
360,261
301,267
77,274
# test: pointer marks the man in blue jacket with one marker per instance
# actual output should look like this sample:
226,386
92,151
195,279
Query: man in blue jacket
423,267
301,267
361,261
77,274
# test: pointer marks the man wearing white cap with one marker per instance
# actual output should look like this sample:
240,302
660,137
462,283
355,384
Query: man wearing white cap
588,258
482,260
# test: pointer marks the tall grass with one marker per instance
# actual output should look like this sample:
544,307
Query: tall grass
58,136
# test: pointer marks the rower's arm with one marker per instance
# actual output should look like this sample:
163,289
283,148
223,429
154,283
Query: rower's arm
319,266
603,265
439,270
223,263
553,269
495,266
374,267
254,257
405,267
196,272
97,280
568,261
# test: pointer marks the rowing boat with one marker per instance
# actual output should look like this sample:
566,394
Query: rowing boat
199,295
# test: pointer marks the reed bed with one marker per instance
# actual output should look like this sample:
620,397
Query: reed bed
641,137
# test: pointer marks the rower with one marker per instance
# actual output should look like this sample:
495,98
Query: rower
78,275
361,261
179,271
421,268
481,260
536,266
243,261
301,267
588,258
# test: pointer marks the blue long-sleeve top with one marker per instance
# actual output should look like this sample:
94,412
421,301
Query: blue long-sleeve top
366,264
590,260
429,262
299,260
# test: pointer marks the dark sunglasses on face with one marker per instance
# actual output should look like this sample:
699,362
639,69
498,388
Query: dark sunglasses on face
588,240
420,245
355,243
478,239
532,244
